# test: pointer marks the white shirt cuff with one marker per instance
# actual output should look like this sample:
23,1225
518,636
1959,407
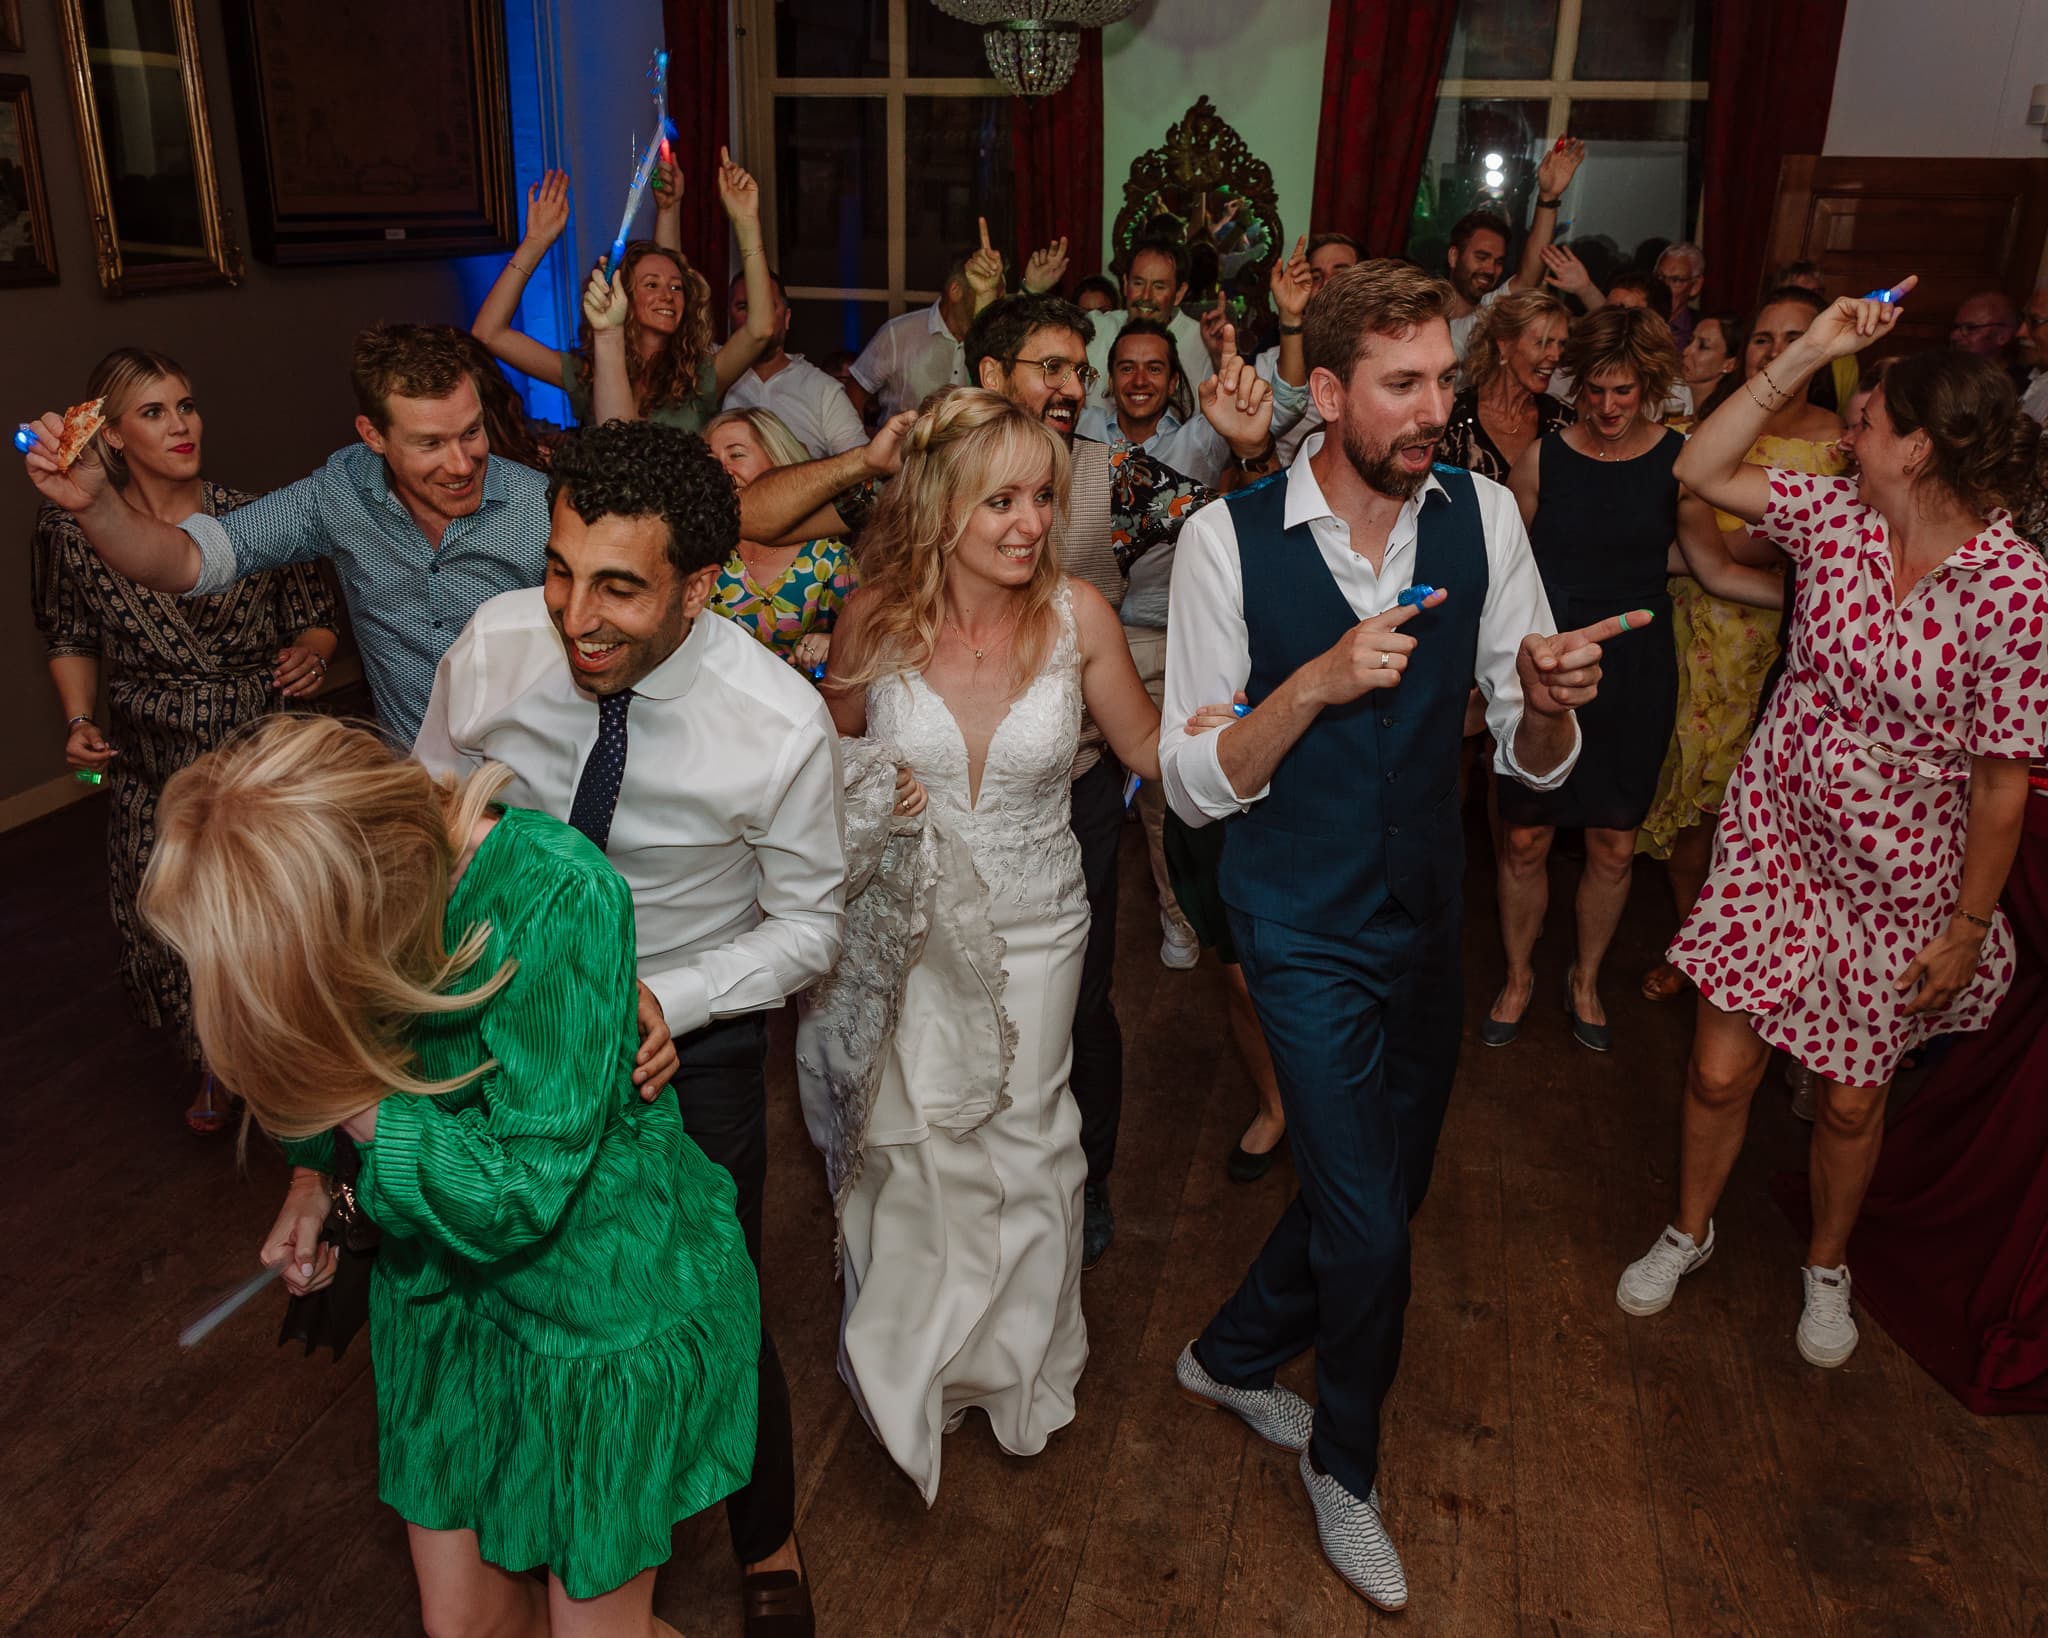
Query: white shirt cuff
217,571
1191,768
1504,759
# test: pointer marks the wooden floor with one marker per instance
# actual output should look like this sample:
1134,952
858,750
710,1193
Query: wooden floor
1550,1467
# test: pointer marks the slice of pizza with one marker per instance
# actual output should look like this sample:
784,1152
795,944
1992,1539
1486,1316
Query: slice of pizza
82,423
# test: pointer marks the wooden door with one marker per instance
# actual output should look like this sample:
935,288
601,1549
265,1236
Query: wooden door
1963,225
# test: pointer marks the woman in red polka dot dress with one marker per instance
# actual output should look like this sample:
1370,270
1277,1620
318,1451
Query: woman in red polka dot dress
1852,909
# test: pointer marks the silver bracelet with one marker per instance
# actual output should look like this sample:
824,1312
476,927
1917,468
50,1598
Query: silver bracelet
73,722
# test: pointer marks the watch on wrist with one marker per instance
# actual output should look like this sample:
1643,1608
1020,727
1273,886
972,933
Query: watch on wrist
1258,462
1550,204
1287,329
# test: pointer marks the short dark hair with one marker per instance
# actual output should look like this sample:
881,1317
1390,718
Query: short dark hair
1003,326
1159,245
1102,286
956,267
1323,241
1798,270
1643,284
411,360
774,278
1148,327
1475,220
643,469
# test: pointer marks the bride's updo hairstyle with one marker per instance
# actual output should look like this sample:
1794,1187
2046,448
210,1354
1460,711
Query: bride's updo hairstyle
302,872
965,446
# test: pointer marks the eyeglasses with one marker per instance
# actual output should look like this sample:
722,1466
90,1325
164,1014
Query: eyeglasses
1056,370
1972,329
2034,321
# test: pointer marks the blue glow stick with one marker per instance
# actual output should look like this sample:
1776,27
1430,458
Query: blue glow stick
25,438
664,129
1888,297
1415,596
1241,709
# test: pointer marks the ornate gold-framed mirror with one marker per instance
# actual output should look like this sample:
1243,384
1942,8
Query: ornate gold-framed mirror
146,146
1215,188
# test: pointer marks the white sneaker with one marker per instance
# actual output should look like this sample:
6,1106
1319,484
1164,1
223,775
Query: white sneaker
1278,1415
1354,1541
1179,949
1647,1284
1827,1330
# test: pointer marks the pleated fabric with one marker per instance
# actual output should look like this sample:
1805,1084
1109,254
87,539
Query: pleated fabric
564,1323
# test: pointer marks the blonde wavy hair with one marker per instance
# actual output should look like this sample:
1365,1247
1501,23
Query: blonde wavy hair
1505,321
302,872
965,446
770,431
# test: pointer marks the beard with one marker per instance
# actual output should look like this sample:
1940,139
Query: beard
1474,287
1378,465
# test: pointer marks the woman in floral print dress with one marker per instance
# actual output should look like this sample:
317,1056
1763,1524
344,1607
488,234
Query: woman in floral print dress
1852,908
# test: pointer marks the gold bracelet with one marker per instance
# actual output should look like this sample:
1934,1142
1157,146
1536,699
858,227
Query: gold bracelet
1765,372
1982,921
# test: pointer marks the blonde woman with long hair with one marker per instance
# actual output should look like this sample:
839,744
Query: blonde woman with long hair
563,1317
971,655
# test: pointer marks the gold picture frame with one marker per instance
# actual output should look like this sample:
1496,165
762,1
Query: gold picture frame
151,187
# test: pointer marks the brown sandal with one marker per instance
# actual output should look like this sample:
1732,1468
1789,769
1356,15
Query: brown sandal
1663,982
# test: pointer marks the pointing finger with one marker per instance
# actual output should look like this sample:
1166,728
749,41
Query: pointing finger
1609,629
1401,613
983,221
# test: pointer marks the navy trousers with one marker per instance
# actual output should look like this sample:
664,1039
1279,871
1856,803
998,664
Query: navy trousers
1364,1034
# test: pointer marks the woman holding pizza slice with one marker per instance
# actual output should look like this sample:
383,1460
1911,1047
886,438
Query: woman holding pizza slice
180,673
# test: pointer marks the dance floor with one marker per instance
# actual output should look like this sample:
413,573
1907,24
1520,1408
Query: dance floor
1551,1468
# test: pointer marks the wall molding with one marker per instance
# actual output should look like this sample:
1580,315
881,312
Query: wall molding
24,807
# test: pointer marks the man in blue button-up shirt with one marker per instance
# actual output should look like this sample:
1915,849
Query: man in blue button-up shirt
421,523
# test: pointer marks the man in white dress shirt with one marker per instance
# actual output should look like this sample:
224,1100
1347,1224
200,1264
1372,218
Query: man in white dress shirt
808,401
915,354
1343,846
714,789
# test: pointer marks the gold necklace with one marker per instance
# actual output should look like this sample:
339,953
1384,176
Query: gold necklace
962,635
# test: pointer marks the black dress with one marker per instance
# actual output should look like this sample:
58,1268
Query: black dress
1602,536
1466,444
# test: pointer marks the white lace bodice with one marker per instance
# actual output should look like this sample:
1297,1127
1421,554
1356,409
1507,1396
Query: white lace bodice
1020,829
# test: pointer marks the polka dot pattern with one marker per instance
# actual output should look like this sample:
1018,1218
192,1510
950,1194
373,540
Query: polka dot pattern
597,788
1840,846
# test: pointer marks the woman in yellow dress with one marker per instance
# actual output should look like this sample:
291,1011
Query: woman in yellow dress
1725,650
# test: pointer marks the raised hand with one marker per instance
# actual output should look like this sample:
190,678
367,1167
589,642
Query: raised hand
604,299
1046,267
1291,283
547,209
737,190
75,490
667,181
1558,167
1854,322
884,454
984,271
1237,401
1372,654
1566,271
1214,322
1562,673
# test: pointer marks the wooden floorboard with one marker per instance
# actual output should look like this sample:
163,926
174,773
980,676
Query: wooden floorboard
1552,1468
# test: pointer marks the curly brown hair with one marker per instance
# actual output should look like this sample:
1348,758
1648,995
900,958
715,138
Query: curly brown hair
1984,451
670,377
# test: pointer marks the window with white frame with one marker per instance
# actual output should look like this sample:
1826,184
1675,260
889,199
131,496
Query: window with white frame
1628,77
878,137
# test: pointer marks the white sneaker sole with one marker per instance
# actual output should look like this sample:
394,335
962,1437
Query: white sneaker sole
1180,958
1826,1359
1644,1310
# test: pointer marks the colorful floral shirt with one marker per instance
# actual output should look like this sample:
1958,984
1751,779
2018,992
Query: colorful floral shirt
806,598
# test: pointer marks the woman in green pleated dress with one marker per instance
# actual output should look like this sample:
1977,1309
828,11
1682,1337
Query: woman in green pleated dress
563,1317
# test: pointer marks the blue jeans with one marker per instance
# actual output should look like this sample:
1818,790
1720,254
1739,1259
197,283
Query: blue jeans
1364,1034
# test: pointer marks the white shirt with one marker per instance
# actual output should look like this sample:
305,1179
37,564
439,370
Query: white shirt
1208,655
808,401
1193,447
911,356
1195,362
728,822
1461,328
2034,401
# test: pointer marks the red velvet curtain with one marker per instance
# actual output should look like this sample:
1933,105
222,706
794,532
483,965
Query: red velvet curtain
1056,143
1772,70
1380,72
698,39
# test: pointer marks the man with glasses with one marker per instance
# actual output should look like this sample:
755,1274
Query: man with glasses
1125,510
2034,400
1681,270
1985,324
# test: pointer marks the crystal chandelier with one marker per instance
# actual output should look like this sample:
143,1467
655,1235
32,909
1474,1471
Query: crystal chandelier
1032,45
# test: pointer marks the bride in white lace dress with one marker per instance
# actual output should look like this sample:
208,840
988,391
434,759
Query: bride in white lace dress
970,653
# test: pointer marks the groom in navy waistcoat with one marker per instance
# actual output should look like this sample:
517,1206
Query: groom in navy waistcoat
1343,847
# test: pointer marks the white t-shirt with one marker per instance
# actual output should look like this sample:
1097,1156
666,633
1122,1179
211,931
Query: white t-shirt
808,401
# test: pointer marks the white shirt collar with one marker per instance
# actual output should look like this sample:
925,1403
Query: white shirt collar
673,678
935,320
1305,502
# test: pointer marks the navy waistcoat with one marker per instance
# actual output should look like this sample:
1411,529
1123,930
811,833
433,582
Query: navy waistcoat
1364,808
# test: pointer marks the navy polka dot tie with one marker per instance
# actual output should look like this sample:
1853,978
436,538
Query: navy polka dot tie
597,792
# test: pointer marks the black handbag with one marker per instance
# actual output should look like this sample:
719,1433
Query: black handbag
331,1316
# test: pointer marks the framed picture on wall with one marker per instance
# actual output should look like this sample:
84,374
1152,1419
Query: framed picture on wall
27,253
10,26
372,130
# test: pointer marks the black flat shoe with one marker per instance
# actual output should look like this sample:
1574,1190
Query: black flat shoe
1600,1037
1246,1167
1492,1032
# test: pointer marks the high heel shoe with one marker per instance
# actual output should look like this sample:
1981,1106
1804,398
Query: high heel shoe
1600,1037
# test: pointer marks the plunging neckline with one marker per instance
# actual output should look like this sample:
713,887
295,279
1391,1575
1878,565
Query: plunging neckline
988,751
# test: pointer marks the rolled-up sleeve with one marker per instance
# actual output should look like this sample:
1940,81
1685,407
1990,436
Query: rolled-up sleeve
1516,607
1208,659
282,528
